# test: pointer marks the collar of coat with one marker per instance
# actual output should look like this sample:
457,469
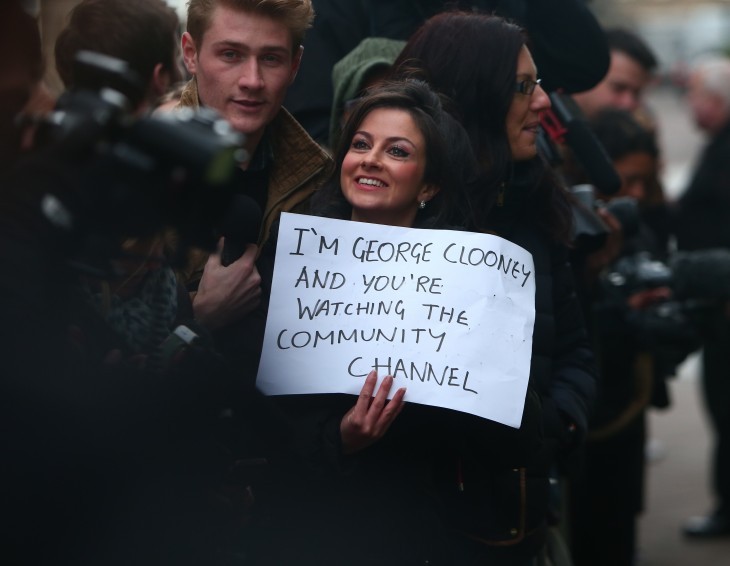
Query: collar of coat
297,160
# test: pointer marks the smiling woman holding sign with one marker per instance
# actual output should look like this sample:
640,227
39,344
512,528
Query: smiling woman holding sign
403,163
358,492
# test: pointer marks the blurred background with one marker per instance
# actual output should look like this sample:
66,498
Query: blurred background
678,31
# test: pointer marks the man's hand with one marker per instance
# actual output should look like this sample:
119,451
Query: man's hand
371,416
226,294
611,250
649,297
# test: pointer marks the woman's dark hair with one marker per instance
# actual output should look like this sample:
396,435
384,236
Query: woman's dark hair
630,44
449,157
472,59
622,134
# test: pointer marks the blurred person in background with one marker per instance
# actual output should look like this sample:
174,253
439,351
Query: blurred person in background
630,341
703,221
22,72
142,304
629,74
145,36
632,64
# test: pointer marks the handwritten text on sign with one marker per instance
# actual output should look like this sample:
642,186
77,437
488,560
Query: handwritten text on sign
448,314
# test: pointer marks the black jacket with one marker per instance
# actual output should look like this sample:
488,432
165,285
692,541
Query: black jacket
438,474
504,503
703,212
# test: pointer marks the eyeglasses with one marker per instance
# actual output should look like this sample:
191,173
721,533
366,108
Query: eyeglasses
527,86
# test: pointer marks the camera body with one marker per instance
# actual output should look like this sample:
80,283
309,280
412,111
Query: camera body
130,175
589,230
669,326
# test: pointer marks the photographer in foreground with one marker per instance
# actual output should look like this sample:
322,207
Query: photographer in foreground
111,404
141,304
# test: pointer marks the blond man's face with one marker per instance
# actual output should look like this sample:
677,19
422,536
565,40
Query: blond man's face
243,64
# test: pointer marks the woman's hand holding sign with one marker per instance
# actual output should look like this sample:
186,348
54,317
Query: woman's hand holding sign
371,416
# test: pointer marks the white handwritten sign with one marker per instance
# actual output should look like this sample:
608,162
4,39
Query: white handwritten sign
448,314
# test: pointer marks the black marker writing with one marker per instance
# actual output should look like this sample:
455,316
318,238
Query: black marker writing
328,280
382,282
287,339
424,372
323,244
443,314
322,308
478,256
403,252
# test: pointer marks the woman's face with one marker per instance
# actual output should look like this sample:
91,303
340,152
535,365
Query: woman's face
382,172
523,117
638,173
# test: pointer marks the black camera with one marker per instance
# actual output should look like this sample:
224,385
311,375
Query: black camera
564,123
639,272
676,324
128,175
589,230
666,326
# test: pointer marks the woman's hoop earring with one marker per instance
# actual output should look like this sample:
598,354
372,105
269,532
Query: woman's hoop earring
422,204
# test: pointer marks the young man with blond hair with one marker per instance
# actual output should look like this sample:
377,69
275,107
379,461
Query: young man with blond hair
243,55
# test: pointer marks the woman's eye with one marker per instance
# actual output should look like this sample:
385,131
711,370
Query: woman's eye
398,151
359,144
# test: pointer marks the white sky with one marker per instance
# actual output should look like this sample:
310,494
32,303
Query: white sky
179,6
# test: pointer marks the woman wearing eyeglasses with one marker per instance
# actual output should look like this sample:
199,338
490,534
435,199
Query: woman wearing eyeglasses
493,486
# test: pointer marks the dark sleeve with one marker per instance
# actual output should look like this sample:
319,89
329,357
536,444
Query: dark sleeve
242,341
338,28
567,43
566,40
314,420
398,19
573,384
702,216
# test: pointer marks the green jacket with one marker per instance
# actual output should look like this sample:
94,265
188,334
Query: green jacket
351,72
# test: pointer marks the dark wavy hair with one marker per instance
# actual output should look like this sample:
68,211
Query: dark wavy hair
142,33
472,59
449,158
622,134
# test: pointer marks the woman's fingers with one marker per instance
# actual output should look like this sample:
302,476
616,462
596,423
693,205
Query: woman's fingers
371,417
381,396
394,407
366,393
